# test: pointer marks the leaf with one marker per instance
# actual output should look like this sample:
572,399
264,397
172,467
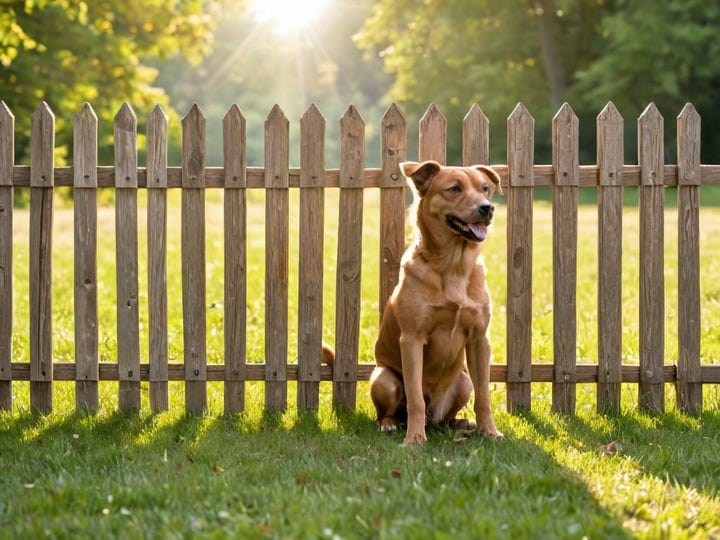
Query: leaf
396,473
609,449
217,469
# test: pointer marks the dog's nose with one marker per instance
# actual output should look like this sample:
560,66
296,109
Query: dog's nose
486,210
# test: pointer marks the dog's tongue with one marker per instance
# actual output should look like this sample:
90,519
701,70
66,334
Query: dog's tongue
478,230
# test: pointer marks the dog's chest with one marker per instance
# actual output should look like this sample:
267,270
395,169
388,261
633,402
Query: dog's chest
461,306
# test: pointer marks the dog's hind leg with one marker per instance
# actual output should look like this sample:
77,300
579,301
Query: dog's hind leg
388,396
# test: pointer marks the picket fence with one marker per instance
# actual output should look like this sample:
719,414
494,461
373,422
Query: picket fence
520,177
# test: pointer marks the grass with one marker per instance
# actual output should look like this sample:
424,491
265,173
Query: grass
331,475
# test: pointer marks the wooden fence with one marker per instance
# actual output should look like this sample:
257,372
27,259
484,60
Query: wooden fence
193,178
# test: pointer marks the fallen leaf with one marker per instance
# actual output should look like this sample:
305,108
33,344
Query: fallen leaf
217,469
396,473
609,449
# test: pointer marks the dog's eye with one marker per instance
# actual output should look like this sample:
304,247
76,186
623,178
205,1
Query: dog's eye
454,189
486,188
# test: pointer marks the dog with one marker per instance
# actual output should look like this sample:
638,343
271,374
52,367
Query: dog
432,348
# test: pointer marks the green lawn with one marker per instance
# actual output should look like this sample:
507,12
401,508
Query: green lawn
324,475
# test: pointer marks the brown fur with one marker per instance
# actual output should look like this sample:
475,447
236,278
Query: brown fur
438,315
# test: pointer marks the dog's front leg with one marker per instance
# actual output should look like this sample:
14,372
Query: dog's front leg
478,362
411,349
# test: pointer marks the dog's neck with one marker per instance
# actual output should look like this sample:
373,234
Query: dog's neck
451,254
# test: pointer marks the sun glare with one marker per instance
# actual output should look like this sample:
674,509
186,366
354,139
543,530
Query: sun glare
287,16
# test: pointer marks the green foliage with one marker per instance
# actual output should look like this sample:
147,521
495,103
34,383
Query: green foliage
67,52
496,53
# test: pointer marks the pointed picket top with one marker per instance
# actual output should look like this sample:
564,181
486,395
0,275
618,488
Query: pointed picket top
7,145
433,136
352,149
610,148
520,146
610,114
565,150
276,115
157,143
277,149
476,137
312,148
125,132
234,150
688,146
42,146
651,147
125,118
394,146
85,144
193,148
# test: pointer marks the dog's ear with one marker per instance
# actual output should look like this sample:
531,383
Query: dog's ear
494,176
420,173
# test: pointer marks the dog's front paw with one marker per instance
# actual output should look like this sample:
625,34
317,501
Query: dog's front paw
414,439
491,433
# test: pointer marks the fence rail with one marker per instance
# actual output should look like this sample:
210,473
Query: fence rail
520,177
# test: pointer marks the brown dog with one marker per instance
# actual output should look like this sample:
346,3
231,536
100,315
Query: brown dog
440,310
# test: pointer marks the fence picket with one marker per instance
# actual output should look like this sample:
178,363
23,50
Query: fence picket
310,271
520,157
565,235
126,248
476,137
193,260
432,139
689,376
85,226
392,200
235,217
610,211
277,181
652,280
349,259
41,221
157,142
7,158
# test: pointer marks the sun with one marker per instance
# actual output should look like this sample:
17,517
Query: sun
287,16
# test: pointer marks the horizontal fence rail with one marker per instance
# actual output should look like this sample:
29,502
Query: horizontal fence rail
520,176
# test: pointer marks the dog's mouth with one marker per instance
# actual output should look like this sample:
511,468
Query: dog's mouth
474,232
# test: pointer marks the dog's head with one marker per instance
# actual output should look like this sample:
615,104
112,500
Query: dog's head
454,201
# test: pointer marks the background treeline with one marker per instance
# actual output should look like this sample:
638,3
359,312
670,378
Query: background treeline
369,53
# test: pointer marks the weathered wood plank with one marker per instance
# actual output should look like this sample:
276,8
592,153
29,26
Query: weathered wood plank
235,212
652,280
277,219
476,137
544,373
349,260
126,247
42,144
7,157
432,143
392,200
610,218
157,142
565,151
689,386
193,260
310,272
520,154
85,125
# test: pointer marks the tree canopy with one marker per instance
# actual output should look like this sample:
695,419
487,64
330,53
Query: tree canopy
544,52
66,52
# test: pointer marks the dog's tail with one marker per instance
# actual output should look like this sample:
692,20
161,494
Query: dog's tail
328,355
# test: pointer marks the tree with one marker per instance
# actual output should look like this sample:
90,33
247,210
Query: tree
67,52
544,52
